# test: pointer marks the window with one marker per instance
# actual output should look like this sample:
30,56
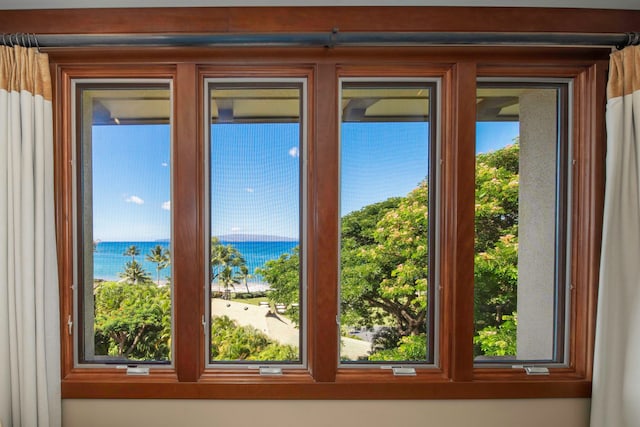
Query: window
273,197
521,222
387,138
123,210
256,292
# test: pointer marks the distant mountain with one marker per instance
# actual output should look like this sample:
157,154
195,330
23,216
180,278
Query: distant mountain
254,238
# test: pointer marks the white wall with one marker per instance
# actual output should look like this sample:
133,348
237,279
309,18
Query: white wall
331,413
58,4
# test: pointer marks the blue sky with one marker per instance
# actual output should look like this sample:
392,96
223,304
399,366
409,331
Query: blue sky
255,174
131,182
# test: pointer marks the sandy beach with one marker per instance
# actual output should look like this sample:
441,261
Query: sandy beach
253,287
278,328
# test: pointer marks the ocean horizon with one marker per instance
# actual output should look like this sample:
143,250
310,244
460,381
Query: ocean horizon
109,259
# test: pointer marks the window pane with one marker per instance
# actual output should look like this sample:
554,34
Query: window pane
385,303
255,192
520,222
124,189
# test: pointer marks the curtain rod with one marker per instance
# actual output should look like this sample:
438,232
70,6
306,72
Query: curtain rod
332,39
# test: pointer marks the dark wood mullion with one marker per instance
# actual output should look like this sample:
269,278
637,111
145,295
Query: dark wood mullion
187,251
64,206
461,173
324,185
589,149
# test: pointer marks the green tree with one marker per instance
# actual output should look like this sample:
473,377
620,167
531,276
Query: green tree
160,257
358,237
384,261
226,265
133,321
244,275
497,190
496,244
134,273
283,276
412,347
229,341
384,268
499,340
132,251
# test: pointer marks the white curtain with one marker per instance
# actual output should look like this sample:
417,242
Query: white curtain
616,377
29,319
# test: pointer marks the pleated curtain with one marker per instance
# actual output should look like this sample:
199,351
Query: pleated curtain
616,378
29,311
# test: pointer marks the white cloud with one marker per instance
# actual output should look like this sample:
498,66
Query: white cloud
167,205
134,199
234,229
294,152
165,164
250,190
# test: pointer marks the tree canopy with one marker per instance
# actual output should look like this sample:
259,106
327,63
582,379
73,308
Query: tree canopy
133,321
385,258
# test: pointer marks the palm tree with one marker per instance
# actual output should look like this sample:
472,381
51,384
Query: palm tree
244,275
132,251
160,257
134,273
226,264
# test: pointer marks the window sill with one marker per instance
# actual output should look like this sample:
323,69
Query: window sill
102,385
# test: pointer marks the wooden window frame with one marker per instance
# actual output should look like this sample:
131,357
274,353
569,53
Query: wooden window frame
458,68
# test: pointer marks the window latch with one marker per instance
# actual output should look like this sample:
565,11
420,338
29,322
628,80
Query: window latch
404,372
70,325
137,370
401,371
270,371
536,370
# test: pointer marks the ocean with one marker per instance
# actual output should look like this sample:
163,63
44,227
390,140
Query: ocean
109,261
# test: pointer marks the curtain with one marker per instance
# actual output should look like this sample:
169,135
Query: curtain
29,316
616,378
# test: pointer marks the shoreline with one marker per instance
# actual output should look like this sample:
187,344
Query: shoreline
215,287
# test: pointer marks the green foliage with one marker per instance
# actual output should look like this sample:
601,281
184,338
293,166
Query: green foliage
496,260
384,262
497,189
134,273
227,265
229,341
161,258
500,340
409,348
133,321
283,276
132,251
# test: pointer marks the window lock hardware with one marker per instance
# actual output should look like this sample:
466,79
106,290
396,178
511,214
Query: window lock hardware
270,371
204,326
400,371
404,372
137,370
536,370
70,325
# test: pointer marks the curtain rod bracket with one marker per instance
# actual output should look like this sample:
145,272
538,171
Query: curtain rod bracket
333,38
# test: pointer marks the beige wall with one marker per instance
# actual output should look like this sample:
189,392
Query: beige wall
331,413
